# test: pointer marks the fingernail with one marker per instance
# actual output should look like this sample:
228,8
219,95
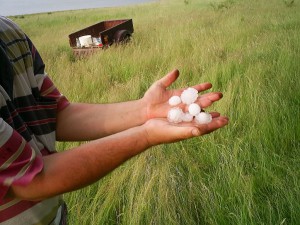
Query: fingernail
195,132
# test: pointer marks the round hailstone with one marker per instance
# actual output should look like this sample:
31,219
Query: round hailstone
174,100
203,118
192,90
189,96
194,109
175,115
187,117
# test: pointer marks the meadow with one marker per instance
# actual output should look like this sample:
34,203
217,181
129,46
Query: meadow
246,173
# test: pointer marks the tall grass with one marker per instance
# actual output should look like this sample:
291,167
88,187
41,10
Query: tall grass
246,173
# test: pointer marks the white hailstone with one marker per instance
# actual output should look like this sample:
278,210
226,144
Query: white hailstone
189,96
192,90
194,109
203,118
187,117
174,100
175,115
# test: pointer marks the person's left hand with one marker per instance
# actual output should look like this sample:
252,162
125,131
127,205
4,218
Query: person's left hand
157,96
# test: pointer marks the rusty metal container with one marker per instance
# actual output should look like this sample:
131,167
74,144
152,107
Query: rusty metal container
109,32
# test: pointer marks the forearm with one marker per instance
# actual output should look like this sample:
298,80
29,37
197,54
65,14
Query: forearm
78,167
83,165
79,121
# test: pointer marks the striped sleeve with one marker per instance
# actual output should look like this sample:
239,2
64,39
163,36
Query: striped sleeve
46,86
49,90
19,163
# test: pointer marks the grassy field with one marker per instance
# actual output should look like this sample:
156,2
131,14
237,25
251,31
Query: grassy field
247,173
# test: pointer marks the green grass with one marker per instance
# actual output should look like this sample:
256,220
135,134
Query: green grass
246,173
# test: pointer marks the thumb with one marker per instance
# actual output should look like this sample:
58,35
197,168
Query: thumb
184,132
167,80
196,132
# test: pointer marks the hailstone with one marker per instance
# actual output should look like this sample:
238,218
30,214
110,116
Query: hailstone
194,109
203,118
174,100
175,115
189,96
192,90
187,117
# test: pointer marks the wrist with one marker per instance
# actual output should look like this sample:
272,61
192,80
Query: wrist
144,110
150,135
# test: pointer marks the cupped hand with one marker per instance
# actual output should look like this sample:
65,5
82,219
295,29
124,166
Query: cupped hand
160,130
157,96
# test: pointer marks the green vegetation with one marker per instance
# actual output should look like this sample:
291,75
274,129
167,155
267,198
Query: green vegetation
247,173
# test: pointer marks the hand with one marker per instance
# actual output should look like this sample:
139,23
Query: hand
160,131
157,96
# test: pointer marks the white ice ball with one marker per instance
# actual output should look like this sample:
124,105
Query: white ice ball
192,90
194,109
203,118
187,117
175,115
189,96
174,100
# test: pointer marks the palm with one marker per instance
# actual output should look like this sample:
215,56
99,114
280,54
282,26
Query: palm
157,97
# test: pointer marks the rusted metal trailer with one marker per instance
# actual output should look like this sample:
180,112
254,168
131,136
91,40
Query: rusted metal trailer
102,34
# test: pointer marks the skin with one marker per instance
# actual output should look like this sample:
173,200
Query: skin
116,133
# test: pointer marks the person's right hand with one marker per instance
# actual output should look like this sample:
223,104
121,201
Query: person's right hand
160,131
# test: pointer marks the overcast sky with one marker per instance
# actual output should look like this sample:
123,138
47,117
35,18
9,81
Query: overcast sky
21,7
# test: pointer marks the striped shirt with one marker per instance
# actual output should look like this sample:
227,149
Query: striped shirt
28,105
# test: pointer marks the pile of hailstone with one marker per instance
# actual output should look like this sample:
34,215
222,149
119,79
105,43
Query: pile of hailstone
188,97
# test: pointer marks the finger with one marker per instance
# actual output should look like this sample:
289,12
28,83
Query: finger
202,86
209,98
212,95
185,132
177,132
193,129
215,114
198,87
167,80
215,124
